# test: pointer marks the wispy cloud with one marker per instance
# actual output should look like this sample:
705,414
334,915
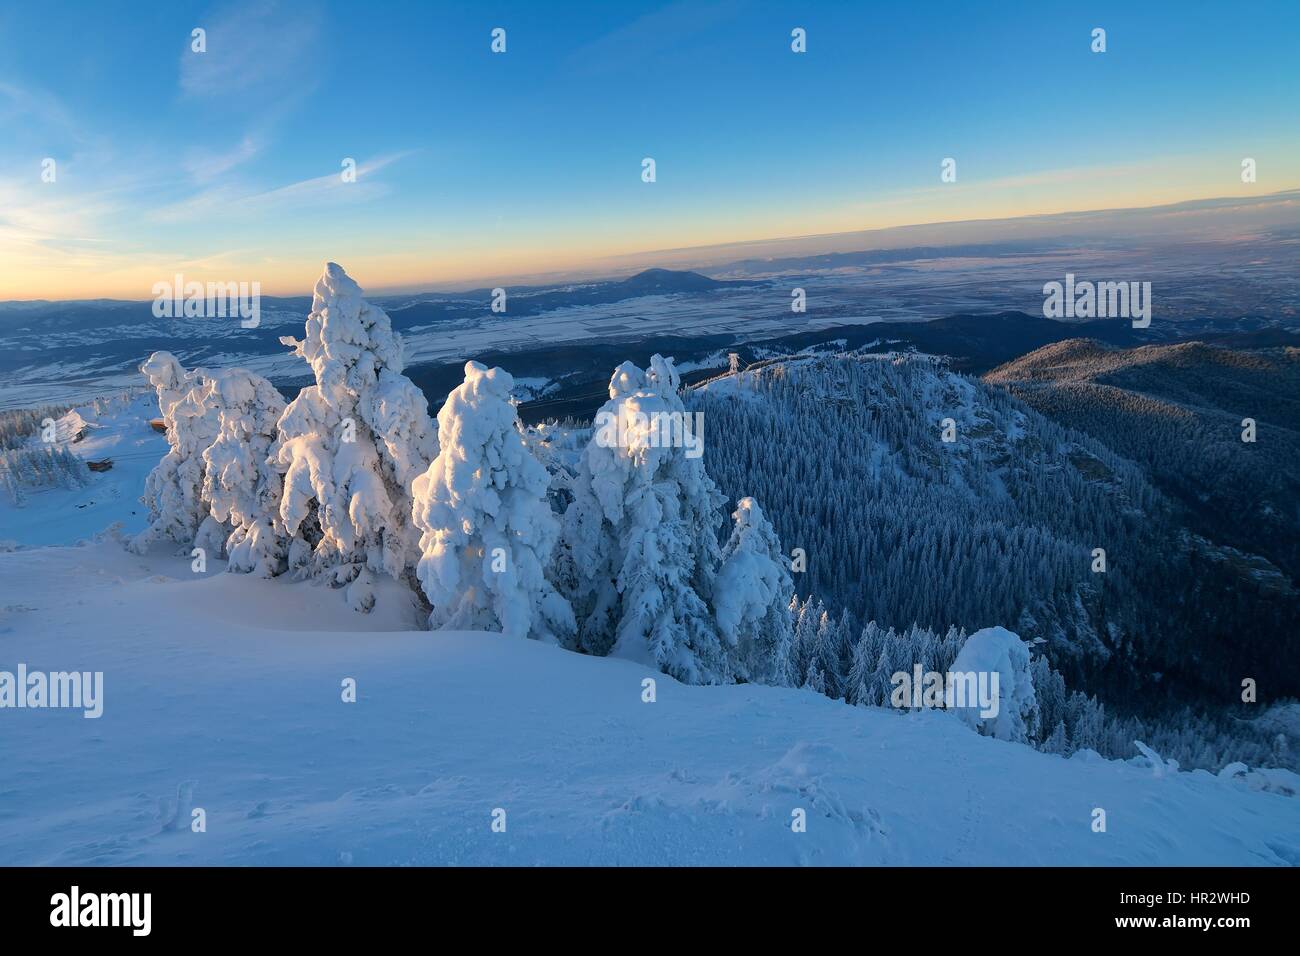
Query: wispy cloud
204,166
27,103
654,33
254,49
242,202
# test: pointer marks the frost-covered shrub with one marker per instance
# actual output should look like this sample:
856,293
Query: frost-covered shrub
173,492
488,529
995,650
351,444
240,483
751,597
640,537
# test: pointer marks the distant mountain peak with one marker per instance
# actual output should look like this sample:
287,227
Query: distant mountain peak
670,280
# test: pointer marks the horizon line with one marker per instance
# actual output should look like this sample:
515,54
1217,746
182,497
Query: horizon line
558,276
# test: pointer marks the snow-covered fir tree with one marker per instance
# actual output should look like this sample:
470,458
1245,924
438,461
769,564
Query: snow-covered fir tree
640,538
216,489
833,652
857,685
752,594
803,653
173,492
488,531
887,664
241,484
352,444
815,680
36,466
997,650
1059,741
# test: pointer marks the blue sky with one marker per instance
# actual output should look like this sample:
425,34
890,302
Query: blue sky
477,165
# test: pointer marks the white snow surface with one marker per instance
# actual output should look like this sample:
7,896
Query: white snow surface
222,691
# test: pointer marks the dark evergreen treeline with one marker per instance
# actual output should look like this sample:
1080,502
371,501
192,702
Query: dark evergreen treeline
856,666
1178,411
999,526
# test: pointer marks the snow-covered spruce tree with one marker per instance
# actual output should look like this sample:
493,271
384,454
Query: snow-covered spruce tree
803,653
882,684
997,650
173,492
791,677
815,681
833,652
589,556
857,686
488,531
241,484
640,538
751,597
1059,741
351,445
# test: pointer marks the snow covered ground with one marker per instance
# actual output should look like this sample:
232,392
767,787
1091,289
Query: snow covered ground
225,692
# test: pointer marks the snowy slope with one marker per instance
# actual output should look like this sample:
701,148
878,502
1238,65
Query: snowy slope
114,428
226,690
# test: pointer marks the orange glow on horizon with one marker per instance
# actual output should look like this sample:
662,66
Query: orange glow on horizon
33,272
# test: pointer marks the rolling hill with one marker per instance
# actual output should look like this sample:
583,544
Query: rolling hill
1179,411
